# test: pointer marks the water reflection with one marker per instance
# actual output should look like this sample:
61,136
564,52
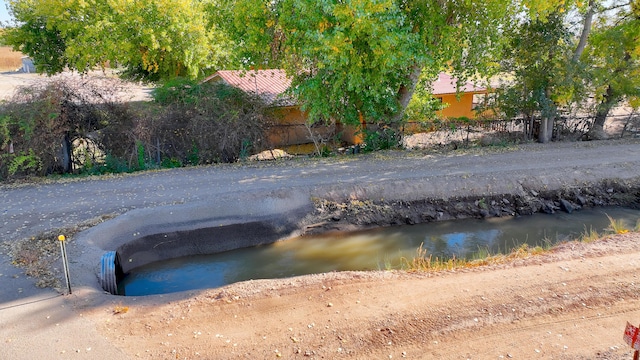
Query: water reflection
367,250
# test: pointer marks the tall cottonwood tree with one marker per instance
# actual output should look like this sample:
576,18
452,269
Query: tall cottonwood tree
613,57
536,57
362,58
156,39
555,67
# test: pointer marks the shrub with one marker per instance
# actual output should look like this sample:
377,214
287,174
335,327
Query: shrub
81,125
40,124
383,138
208,123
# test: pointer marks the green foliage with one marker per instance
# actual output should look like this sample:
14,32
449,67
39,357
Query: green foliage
178,91
25,163
537,56
157,39
115,165
354,60
205,123
170,163
245,149
212,123
141,163
5,133
613,60
549,73
193,156
357,50
381,139
35,37
43,116
423,106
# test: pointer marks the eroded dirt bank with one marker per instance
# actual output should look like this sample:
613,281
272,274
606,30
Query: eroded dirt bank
356,214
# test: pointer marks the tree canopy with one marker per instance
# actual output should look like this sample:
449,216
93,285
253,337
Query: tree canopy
351,60
613,58
154,39
579,58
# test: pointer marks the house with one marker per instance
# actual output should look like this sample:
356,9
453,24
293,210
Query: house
269,84
461,101
292,133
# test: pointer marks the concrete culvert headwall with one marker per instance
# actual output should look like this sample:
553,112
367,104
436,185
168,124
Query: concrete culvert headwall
164,246
140,237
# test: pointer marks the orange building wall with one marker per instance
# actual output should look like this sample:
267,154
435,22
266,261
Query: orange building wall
457,107
290,132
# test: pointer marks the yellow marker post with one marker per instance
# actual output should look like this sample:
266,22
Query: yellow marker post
65,261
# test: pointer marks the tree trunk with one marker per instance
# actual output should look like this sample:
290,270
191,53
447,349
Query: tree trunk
546,129
608,101
67,164
586,29
405,93
547,119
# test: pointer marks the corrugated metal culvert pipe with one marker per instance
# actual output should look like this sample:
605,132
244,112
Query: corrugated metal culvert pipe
108,277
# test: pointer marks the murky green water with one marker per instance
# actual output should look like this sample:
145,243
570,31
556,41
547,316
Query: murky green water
366,250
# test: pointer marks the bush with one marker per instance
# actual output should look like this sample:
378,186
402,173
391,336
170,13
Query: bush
80,125
209,123
382,139
40,124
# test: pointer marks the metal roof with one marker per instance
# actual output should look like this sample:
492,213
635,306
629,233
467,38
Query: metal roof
446,84
269,84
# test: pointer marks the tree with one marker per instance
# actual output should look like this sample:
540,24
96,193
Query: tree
536,56
154,39
557,69
361,59
613,56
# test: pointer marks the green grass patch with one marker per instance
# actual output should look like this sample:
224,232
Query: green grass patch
423,261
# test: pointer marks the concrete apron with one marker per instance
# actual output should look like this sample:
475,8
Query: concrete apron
143,236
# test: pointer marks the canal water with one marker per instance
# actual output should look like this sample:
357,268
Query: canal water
381,248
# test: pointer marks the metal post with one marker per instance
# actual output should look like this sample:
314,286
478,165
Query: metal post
65,261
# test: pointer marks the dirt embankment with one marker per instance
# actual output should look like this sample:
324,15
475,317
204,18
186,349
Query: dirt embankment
572,303
340,216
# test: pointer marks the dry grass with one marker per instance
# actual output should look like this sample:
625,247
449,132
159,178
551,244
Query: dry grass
39,255
9,59
426,262
617,226
423,261
590,235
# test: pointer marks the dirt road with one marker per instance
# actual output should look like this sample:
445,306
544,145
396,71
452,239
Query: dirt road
567,305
